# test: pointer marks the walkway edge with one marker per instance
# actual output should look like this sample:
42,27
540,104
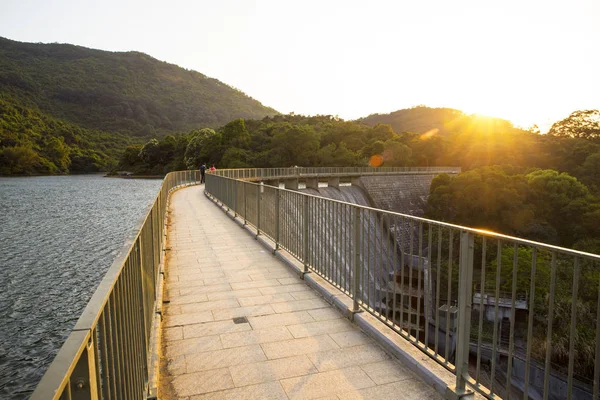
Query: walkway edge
393,344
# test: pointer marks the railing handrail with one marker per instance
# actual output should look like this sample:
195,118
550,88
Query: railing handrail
89,357
483,232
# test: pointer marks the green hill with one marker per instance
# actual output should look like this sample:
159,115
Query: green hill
422,119
99,102
128,92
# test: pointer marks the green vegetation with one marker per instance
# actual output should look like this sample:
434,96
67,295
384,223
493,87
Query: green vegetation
99,102
32,142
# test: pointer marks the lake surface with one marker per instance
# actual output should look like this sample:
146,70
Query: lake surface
58,236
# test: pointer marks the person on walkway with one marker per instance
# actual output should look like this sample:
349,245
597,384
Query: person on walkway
202,171
213,168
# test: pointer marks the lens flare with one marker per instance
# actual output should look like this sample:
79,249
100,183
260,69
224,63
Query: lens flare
429,134
376,160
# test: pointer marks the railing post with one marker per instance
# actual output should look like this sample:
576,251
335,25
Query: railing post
276,220
234,203
245,202
305,234
356,262
465,286
258,209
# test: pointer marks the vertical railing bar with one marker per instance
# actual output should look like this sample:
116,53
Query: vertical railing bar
305,232
449,293
402,240
596,389
105,375
427,291
331,235
138,309
573,334
356,272
128,334
438,282
481,309
394,278
511,341
530,321
389,256
420,271
496,301
547,366
410,277
118,342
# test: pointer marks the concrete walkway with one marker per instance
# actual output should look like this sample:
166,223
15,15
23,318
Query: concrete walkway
240,325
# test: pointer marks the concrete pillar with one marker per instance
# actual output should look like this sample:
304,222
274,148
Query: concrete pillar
355,181
312,183
333,182
291,184
272,182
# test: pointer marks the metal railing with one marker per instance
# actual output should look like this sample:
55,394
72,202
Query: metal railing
418,277
106,356
279,173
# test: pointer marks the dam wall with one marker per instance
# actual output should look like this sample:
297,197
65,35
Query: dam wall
405,194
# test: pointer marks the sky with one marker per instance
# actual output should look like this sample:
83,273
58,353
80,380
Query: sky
529,61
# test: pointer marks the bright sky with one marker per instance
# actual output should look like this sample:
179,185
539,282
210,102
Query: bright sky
530,61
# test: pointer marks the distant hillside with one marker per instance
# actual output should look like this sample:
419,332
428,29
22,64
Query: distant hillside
130,93
422,119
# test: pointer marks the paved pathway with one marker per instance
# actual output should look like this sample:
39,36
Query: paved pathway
240,325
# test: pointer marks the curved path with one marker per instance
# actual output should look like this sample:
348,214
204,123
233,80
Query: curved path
239,324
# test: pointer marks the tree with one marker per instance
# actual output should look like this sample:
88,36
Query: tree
235,134
197,150
582,124
150,152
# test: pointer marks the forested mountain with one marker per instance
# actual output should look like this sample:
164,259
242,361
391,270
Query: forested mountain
129,92
443,121
66,108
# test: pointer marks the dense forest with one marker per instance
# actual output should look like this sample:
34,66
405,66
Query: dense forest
86,106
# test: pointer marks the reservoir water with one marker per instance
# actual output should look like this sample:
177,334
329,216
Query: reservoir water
58,236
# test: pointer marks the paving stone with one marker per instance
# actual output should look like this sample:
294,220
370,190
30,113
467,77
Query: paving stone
346,357
350,338
268,299
405,390
326,383
174,299
237,339
224,358
280,319
232,279
192,346
233,294
305,295
187,319
324,314
204,289
209,305
275,274
213,328
263,391
295,347
284,289
272,370
175,333
255,284
300,305
290,280
230,313
176,366
198,383
388,371
321,327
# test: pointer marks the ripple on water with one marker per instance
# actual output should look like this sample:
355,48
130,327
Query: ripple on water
58,236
